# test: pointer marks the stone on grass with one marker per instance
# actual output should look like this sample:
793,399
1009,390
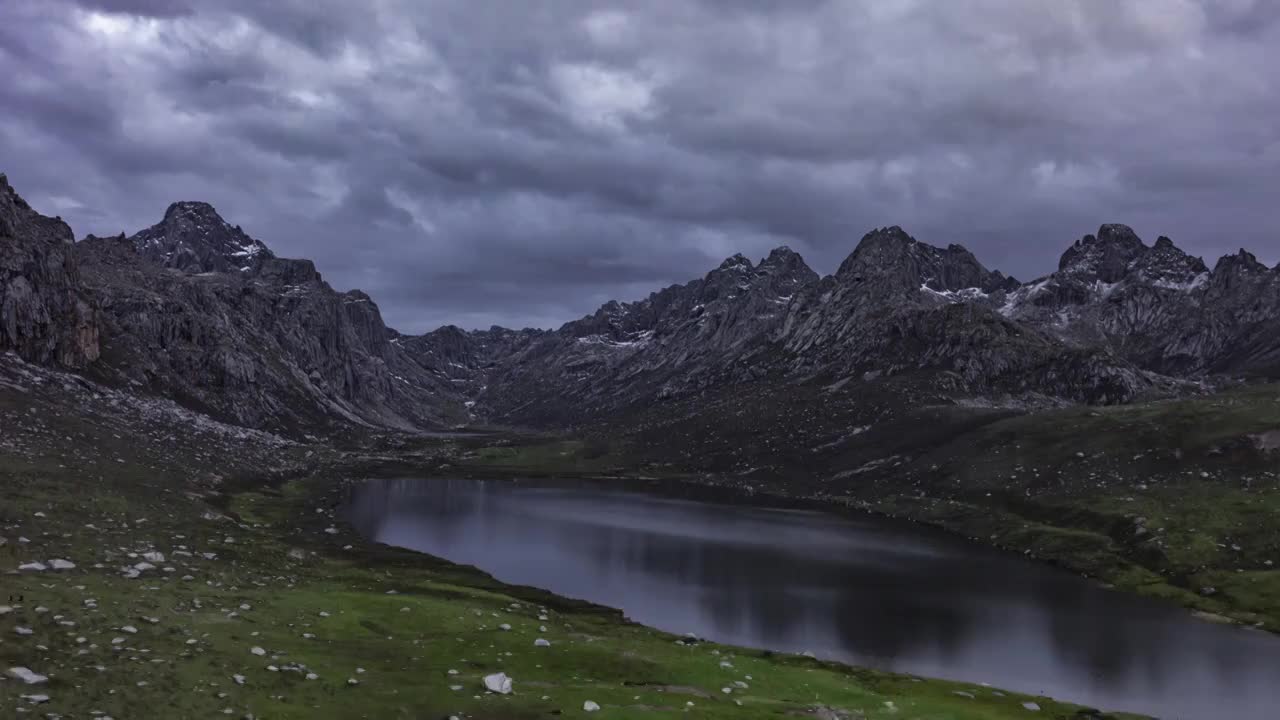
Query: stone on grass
26,675
238,678
257,651
1033,707
504,627
35,699
153,556
33,567
498,682
541,643
590,706
22,630
60,564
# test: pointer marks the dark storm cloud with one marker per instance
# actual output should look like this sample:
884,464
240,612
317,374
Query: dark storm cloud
520,163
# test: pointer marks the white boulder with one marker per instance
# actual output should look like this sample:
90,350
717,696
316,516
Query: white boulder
26,676
498,682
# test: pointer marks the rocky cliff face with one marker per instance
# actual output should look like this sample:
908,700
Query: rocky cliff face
45,315
1118,320
197,310
681,339
1157,306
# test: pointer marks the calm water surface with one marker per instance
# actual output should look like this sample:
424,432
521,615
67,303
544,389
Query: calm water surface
865,591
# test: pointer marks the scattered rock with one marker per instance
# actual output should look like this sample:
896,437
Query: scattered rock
590,706
499,683
1033,707
27,676
33,567
257,651
541,643
59,564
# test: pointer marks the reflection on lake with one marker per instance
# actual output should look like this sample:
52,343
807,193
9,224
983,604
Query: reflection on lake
864,590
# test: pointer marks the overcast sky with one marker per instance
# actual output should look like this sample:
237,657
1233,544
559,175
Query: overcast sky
494,161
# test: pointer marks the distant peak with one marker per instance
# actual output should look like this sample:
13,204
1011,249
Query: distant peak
192,208
736,261
782,256
1164,243
881,240
1117,232
1106,255
193,237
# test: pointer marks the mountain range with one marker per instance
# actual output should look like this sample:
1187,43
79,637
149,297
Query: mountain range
194,309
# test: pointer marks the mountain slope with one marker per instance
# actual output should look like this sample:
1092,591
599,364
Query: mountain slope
1158,306
45,315
196,309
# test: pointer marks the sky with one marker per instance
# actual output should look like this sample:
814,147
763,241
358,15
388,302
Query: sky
481,162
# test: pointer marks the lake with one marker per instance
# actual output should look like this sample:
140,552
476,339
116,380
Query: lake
862,590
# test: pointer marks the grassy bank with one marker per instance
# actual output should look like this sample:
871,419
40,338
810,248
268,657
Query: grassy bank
1177,499
258,567
212,578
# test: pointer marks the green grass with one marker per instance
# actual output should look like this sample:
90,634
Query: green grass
441,617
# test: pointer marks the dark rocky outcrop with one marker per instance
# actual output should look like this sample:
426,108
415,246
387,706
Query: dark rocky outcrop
266,343
196,309
1158,307
45,315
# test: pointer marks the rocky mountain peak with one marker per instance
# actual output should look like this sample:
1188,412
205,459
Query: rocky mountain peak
1105,256
736,262
1242,268
889,255
194,210
194,238
786,270
1166,265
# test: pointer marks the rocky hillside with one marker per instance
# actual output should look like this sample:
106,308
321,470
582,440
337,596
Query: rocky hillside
896,307
45,314
710,332
194,309
1157,306
1119,320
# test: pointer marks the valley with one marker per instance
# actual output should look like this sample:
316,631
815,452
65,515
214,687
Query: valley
185,395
